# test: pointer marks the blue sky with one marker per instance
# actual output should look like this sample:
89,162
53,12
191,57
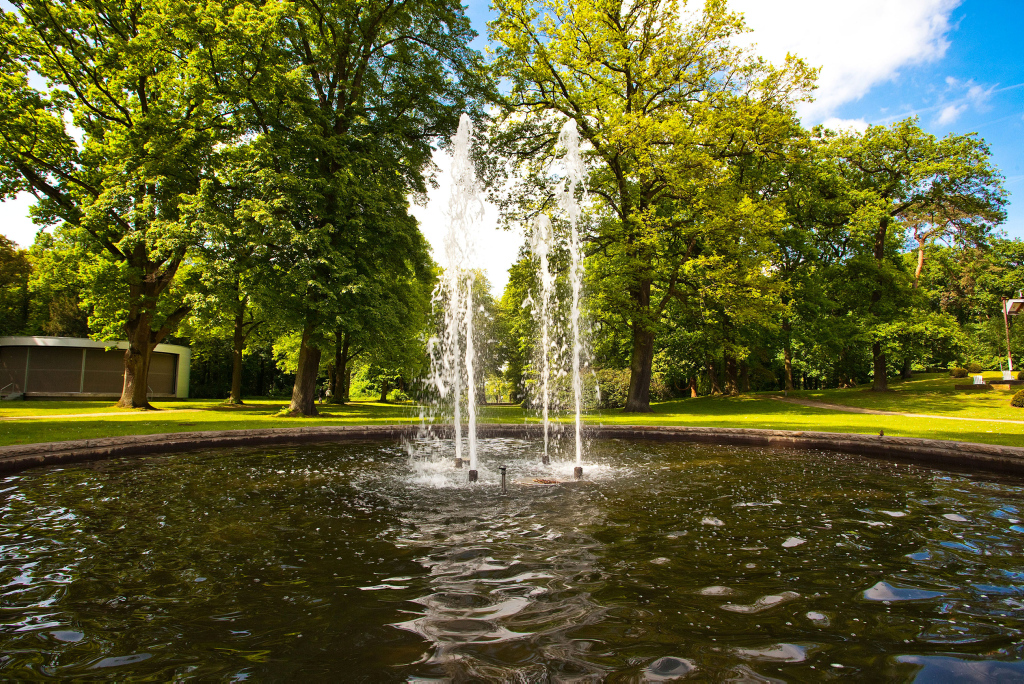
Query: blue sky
957,64
977,86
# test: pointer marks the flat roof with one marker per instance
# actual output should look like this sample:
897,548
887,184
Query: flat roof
84,342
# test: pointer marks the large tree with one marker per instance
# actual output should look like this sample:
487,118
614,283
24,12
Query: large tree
354,95
662,104
135,79
896,175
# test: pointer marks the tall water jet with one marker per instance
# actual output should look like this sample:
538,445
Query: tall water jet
455,293
470,386
541,244
574,171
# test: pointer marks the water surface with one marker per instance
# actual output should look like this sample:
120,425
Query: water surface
357,562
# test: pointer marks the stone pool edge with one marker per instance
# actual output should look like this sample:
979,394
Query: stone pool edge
934,452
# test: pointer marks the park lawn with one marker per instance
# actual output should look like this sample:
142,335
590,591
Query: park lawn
931,393
748,411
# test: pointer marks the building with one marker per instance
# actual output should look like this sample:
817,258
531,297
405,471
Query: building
76,368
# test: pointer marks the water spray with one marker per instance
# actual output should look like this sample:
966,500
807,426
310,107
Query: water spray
451,366
542,238
575,174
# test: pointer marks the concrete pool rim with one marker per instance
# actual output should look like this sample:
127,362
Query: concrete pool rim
971,456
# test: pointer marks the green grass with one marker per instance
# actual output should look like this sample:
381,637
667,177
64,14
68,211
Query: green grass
925,394
930,393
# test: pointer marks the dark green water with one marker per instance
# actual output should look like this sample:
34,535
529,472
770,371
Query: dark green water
344,563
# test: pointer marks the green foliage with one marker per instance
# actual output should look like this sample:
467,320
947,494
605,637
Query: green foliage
1018,399
614,387
958,373
15,271
974,367
680,212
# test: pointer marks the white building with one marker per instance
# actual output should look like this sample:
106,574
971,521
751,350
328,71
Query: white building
76,368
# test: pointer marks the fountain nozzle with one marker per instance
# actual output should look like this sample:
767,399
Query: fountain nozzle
472,476
577,473
458,462
503,489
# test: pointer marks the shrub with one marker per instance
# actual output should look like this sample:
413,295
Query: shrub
958,372
974,367
1018,399
614,384
1020,375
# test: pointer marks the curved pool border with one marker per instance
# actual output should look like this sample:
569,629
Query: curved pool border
930,452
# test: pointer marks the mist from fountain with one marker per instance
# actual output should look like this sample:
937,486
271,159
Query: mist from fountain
568,202
450,365
541,244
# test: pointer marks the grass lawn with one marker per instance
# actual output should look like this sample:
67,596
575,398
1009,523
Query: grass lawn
927,394
930,393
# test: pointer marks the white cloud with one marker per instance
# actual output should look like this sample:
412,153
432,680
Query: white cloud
949,114
961,96
859,125
495,249
857,44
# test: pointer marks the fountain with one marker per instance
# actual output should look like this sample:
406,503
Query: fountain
575,174
542,239
449,366
453,354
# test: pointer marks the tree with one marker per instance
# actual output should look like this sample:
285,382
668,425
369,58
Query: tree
15,272
896,175
662,107
352,97
135,79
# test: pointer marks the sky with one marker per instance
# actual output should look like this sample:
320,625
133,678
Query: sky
955,64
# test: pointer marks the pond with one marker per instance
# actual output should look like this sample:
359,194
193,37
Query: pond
369,562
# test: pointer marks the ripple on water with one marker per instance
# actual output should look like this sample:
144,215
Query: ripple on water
762,604
668,668
883,591
936,669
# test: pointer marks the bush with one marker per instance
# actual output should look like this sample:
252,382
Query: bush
1018,399
958,372
974,367
1020,375
614,384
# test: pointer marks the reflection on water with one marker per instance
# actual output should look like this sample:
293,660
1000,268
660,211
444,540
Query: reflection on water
382,564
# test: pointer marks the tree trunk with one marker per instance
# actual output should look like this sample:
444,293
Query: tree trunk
787,327
642,359
236,356
260,385
304,390
716,388
906,373
339,395
693,386
347,385
135,393
744,377
731,385
881,382
385,387
639,398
